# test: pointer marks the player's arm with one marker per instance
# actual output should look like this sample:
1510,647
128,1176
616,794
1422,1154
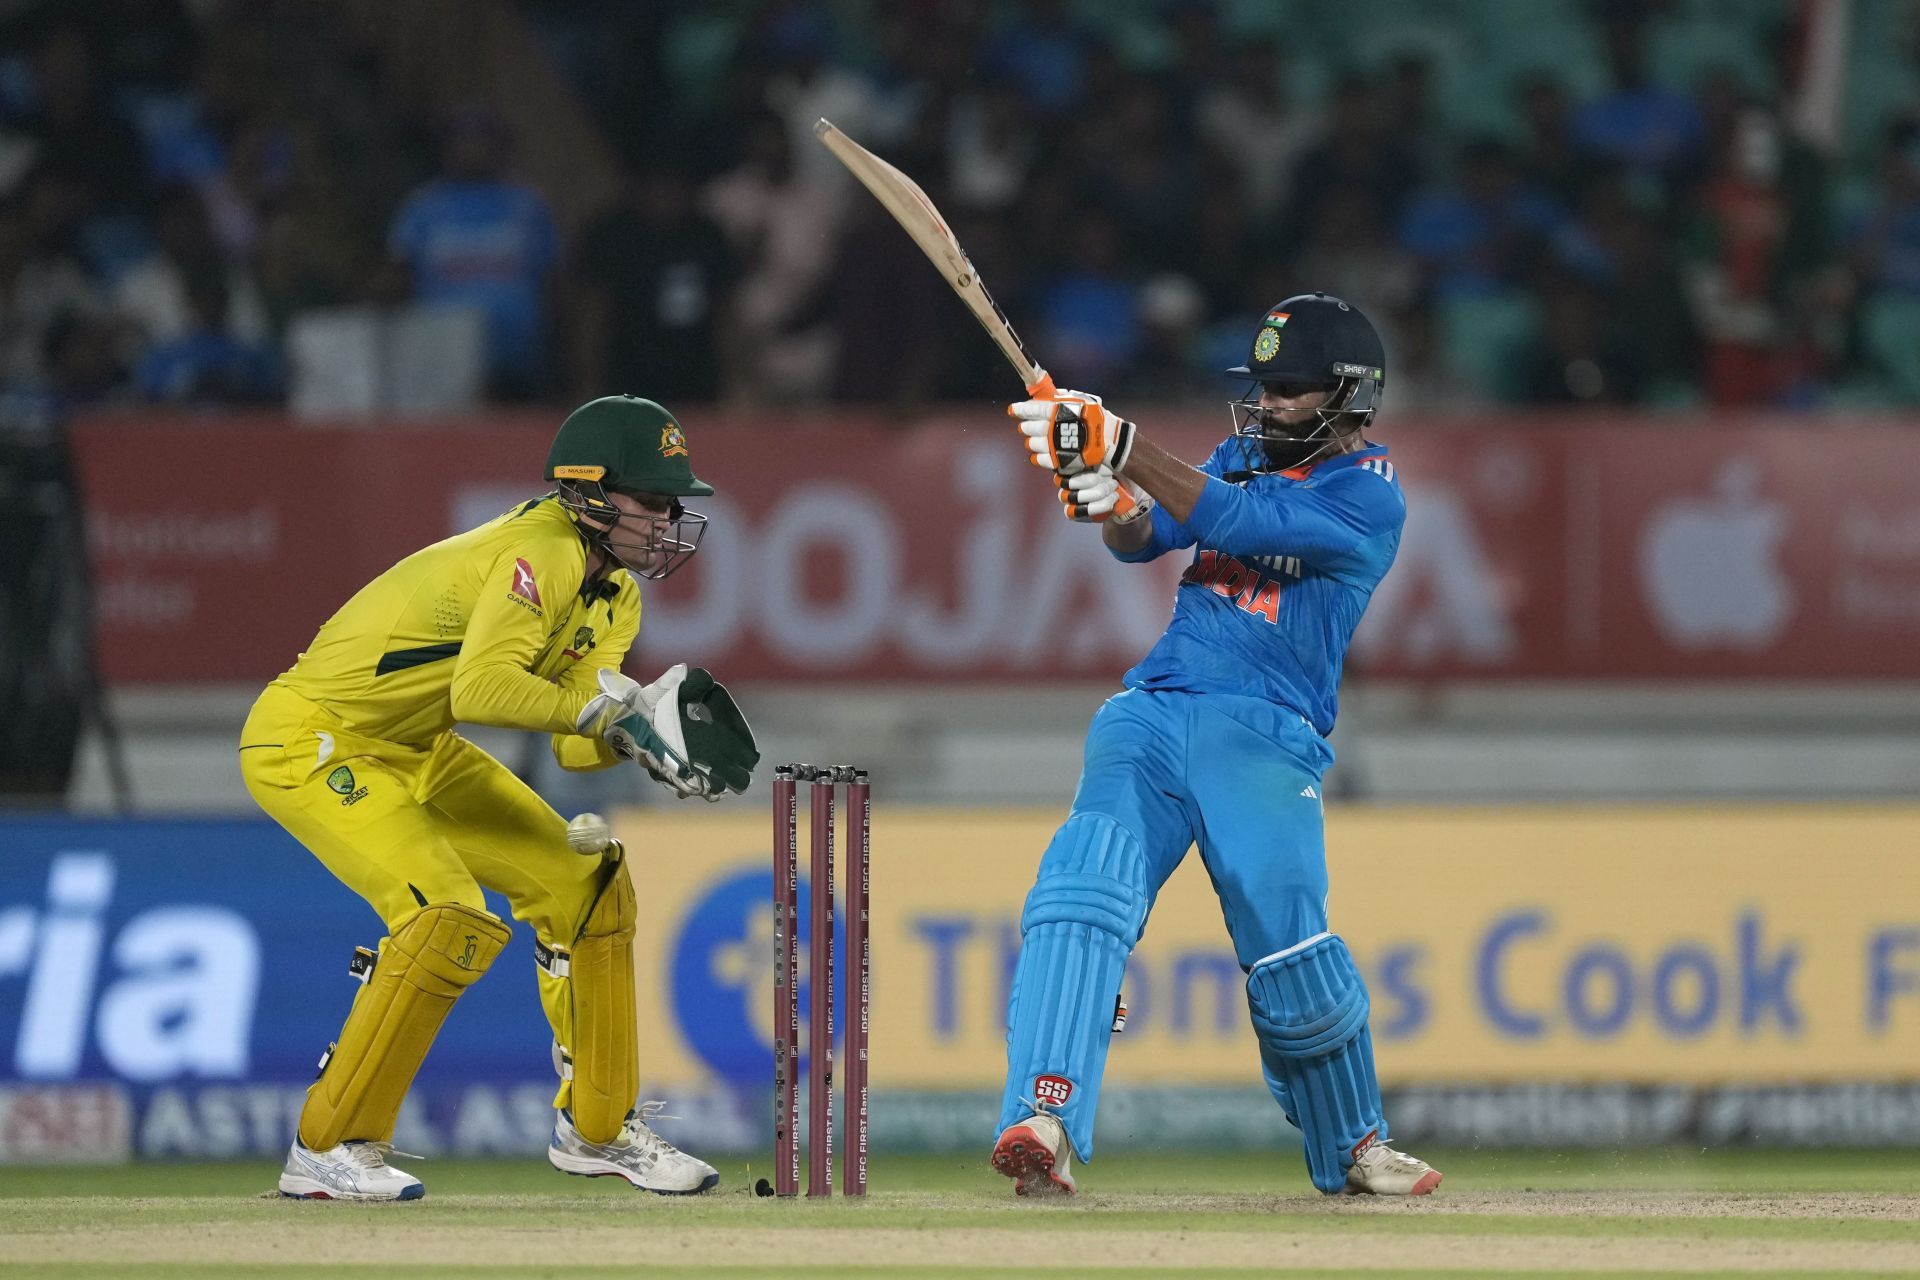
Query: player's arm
582,752
1322,524
493,680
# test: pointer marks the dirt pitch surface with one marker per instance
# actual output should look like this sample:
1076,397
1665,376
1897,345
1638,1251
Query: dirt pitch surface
1655,1214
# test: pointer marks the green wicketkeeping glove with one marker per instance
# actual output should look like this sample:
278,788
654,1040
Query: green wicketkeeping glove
719,740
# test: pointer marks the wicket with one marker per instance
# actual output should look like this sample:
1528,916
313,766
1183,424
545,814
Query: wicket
820,977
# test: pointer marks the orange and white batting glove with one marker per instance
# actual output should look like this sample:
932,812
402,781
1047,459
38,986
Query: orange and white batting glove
1072,431
1096,496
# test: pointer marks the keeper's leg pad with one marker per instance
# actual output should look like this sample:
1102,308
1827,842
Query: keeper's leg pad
1082,917
1310,1012
604,1057
436,953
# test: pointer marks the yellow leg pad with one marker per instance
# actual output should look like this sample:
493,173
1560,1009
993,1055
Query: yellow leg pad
606,1033
433,956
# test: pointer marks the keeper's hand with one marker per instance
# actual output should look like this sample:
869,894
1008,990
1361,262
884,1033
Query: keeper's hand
1073,432
622,714
1094,497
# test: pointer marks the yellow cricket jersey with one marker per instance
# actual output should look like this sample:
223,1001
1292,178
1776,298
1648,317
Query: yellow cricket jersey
488,627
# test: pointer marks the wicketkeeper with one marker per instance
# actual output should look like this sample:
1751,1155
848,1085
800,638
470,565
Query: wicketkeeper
521,623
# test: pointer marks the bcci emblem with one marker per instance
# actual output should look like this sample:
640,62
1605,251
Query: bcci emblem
341,781
1267,345
672,443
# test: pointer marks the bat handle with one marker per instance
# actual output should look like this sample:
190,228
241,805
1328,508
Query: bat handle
1042,388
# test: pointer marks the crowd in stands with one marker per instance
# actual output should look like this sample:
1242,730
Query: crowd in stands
1550,213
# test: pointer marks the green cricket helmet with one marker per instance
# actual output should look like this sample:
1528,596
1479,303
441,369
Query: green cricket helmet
626,445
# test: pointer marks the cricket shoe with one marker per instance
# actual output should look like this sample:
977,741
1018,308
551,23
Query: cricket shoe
1036,1155
637,1153
350,1171
1379,1170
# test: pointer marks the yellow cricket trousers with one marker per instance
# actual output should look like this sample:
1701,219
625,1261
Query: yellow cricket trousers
403,826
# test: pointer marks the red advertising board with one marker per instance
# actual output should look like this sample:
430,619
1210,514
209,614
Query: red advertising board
863,549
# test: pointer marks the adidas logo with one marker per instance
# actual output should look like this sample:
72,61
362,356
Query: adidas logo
1310,793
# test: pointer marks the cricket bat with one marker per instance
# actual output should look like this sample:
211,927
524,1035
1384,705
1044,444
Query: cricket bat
910,207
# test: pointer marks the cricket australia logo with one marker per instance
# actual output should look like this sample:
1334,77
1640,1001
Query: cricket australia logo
341,781
673,442
582,645
1052,1092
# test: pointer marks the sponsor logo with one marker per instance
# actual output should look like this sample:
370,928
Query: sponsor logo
1052,1091
583,643
341,780
466,953
1267,345
673,443
1309,792
523,584
1358,371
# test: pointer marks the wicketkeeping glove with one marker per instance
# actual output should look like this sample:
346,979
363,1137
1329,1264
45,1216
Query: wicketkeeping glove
1073,432
624,713
1093,497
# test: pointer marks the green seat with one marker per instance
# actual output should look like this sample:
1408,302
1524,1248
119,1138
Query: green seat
1890,327
1486,340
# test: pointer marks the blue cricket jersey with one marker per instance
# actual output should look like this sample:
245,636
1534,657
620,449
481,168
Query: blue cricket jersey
1284,567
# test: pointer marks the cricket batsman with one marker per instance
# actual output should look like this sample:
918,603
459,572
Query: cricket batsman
521,623
1219,739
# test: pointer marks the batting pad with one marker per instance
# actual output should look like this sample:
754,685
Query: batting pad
605,1052
436,953
1082,917
1310,1011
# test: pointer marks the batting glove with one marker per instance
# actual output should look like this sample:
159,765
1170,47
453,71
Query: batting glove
1073,432
1093,497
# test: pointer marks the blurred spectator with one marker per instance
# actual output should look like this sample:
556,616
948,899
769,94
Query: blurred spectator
1147,178
1166,368
40,286
1571,365
1357,148
1482,233
255,179
1621,251
1753,242
649,282
1089,316
1351,255
1885,241
1248,116
474,237
206,364
807,85
83,361
153,294
298,268
77,128
1644,126
784,223
1884,246
1548,156
890,310
1042,46
991,146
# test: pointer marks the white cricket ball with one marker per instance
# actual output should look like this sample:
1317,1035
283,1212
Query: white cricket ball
589,833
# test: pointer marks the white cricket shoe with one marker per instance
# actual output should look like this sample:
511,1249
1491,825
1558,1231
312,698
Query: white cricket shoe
1036,1155
1379,1170
350,1171
638,1154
